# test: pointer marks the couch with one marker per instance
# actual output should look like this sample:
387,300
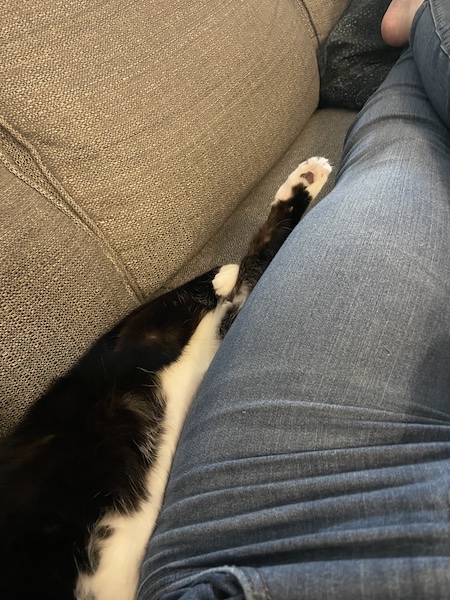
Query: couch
141,142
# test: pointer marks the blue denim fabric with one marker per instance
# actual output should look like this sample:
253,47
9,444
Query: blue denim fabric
315,462
430,41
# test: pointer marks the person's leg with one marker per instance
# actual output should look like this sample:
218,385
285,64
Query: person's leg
315,462
430,44
427,28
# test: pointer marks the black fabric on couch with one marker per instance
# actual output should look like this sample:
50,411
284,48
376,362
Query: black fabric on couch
354,60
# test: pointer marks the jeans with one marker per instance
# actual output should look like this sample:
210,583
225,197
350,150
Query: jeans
315,461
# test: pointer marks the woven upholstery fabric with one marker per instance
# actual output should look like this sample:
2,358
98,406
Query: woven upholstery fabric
230,242
323,14
156,118
58,293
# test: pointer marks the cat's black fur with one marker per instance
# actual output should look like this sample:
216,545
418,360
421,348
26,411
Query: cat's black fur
86,446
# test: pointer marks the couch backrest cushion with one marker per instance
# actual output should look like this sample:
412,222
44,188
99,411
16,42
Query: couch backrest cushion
157,118
129,130
323,14
58,292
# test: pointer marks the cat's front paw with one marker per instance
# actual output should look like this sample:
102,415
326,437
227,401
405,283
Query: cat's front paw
312,173
225,280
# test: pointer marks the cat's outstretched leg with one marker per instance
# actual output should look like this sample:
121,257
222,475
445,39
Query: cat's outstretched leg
291,201
312,174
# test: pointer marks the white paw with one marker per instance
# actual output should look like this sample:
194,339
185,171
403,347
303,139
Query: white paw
313,173
225,280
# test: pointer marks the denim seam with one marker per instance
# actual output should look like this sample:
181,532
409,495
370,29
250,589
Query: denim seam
249,581
257,582
266,587
415,21
436,27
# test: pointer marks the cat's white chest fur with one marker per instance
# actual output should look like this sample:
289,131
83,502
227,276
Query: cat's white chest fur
116,577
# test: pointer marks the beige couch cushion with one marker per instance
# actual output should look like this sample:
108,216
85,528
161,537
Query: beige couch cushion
58,292
130,131
323,14
157,118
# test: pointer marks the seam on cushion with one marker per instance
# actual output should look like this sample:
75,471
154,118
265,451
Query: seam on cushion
51,189
303,9
310,19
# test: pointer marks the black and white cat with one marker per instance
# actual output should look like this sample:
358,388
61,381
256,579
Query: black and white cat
82,477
